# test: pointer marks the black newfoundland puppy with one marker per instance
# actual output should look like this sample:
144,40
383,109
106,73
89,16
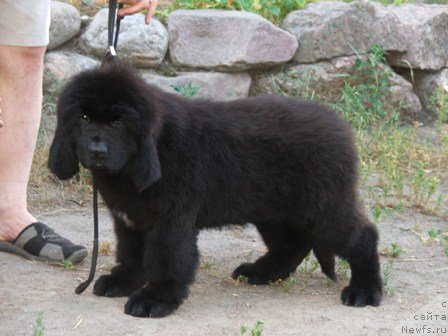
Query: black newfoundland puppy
168,166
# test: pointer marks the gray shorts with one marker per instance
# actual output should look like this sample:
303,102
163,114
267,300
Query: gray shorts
24,22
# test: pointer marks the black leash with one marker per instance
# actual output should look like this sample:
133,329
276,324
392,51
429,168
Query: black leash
83,286
111,57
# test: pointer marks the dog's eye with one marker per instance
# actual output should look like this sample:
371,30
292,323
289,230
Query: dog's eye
85,117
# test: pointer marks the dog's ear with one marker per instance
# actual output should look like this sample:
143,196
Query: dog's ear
146,169
63,161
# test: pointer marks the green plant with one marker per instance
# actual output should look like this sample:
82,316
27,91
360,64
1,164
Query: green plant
288,283
257,329
68,265
445,245
387,270
362,100
207,264
438,237
392,2
241,279
303,84
49,103
343,269
105,248
309,265
439,102
380,211
433,234
187,90
273,10
394,251
407,168
38,327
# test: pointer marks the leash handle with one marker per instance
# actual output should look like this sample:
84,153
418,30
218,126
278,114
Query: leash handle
83,286
111,41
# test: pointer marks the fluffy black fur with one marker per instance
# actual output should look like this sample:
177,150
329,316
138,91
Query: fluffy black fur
167,167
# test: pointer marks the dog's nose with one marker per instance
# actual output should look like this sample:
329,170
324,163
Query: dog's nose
97,149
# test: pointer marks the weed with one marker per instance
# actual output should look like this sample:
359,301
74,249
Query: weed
445,245
300,84
38,327
273,10
207,264
408,169
387,270
257,329
394,251
362,100
68,265
187,90
289,283
439,102
309,265
380,211
49,103
433,234
342,269
392,2
241,279
105,248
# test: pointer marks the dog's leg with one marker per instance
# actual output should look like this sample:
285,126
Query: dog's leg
170,260
360,250
286,250
127,276
326,261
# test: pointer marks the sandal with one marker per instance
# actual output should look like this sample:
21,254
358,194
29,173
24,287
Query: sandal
39,242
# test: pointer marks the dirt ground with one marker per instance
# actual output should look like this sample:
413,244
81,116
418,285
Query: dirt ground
220,306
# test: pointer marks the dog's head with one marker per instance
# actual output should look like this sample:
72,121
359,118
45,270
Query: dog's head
106,120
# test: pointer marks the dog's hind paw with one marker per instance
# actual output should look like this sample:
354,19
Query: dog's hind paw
360,297
140,305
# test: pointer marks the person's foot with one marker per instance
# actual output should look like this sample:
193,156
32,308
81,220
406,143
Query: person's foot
13,220
39,242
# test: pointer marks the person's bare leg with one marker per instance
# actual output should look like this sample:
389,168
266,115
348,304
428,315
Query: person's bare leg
21,98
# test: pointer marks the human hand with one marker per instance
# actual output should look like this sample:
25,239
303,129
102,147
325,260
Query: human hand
135,6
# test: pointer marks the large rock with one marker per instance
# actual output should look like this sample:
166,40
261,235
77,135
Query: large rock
326,80
430,84
61,66
227,40
142,45
65,24
403,97
425,30
330,29
212,85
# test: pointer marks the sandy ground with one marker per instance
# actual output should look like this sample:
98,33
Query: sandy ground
218,305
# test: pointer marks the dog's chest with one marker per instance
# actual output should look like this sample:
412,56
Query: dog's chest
125,218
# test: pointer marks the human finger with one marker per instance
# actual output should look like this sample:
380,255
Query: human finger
151,10
134,8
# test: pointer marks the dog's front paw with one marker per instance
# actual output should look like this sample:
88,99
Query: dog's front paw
140,304
359,296
108,285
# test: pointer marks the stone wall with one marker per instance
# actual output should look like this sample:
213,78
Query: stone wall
231,54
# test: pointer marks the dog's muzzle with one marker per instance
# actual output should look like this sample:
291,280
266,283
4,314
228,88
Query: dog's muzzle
97,151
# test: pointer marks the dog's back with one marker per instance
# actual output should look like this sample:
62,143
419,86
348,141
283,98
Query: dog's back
288,155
